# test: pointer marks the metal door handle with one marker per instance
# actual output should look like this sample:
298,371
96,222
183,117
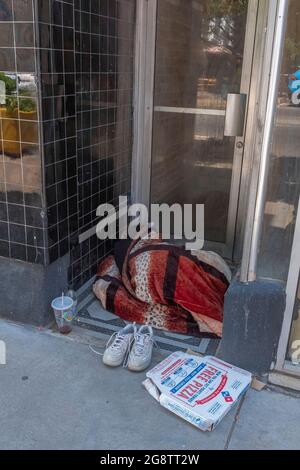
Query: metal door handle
235,115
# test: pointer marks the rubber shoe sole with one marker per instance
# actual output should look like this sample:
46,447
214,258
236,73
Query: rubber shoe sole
135,368
111,363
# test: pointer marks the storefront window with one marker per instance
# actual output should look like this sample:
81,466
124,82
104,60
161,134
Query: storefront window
284,178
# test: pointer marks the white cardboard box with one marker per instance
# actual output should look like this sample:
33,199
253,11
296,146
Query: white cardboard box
200,390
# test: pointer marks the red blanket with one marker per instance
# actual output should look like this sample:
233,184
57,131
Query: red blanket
166,286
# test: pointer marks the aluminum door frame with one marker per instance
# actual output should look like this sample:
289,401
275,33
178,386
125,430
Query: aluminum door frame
146,20
282,364
145,41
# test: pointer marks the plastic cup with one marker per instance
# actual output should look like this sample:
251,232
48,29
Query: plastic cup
64,313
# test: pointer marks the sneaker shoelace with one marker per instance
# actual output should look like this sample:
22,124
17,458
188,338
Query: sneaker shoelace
115,342
140,342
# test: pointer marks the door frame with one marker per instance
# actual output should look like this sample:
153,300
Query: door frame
282,364
145,44
145,39
239,153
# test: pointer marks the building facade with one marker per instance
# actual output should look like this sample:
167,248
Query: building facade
164,101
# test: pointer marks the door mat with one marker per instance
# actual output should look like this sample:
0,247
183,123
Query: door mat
92,316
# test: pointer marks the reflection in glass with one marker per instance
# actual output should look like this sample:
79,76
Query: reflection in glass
20,162
284,178
18,101
8,93
27,85
199,59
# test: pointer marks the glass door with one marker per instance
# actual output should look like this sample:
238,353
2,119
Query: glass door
203,60
279,250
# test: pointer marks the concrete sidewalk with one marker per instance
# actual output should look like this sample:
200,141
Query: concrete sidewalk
56,394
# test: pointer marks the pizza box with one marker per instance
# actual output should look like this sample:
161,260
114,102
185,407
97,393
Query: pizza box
200,390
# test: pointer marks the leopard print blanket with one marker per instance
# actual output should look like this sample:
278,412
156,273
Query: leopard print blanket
167,287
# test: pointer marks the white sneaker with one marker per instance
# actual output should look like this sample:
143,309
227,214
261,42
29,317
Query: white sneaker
141,352
118,346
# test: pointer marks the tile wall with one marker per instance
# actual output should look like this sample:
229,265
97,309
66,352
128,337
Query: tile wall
104,47
22,214
58,103
66,86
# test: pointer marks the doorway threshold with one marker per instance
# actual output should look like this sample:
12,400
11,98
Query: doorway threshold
284,380
92,316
